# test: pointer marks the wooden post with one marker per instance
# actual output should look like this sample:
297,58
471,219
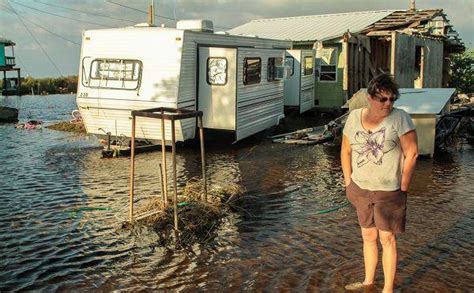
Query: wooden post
19,82
173,155
422,67
203,158
163,160
356,68
162,187
345,77
132,169
4,86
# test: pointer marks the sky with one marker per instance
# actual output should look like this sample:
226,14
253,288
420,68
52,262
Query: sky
47,33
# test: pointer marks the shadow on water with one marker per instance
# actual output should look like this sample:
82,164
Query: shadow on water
280,242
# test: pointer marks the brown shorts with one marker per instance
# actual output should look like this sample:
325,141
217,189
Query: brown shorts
385,210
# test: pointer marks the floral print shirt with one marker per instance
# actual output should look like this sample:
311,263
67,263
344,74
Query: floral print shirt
377,158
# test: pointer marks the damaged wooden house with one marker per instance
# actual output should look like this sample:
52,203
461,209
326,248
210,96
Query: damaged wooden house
412,45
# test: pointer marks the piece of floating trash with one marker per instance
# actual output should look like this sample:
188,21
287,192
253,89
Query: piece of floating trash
32,124
313,135
77,117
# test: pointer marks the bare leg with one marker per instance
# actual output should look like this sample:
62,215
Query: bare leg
389,259
369,235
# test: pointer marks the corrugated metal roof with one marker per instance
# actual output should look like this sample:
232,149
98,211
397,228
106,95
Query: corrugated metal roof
312,27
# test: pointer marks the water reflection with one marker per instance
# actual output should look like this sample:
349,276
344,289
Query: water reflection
278,243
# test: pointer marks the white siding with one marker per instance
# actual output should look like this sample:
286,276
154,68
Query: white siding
108,110
259,106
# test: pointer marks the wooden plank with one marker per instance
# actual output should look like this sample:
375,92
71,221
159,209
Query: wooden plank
356,68
366,68
379,33
345,78
393,52
351,70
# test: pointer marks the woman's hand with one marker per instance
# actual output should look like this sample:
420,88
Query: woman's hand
347,182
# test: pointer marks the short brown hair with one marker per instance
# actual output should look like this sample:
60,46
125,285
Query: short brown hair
382,82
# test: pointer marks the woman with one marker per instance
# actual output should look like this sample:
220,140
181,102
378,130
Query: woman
378,156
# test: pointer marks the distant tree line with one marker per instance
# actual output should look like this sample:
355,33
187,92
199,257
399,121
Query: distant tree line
47,86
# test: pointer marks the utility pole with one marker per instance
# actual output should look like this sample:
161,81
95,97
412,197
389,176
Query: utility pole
151,13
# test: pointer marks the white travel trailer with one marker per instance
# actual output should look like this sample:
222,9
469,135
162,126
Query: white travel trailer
299,88
237,81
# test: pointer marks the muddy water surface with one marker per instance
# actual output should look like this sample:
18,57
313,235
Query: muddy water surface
278,243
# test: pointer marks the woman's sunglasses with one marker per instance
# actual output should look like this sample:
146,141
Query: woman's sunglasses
384,99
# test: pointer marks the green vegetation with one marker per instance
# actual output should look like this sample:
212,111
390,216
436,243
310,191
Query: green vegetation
46,86
462,72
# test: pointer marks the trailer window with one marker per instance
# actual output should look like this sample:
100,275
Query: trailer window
272,65
328,64
290,62
216,71
115,73
252,70
308,65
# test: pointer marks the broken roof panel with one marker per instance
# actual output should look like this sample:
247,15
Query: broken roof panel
6,42
424,101
312,27
405,18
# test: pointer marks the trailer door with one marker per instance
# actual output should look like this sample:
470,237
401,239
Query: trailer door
292,84
217,87
307,81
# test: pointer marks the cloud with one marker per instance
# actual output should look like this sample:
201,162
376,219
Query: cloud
224,13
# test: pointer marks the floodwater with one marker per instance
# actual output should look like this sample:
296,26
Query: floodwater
279,243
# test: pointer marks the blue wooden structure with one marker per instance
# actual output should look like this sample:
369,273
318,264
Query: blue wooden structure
11,85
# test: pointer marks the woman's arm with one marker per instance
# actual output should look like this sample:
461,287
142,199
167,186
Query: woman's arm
346,160
409,145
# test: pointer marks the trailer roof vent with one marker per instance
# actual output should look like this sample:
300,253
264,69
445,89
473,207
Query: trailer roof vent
144,24
197,25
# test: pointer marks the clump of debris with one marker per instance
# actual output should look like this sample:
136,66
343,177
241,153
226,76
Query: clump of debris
76,124
77,127
198,221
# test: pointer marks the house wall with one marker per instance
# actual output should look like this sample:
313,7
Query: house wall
331,94
404,58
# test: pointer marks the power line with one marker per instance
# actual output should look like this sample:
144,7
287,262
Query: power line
143,11
86,12
36,40
57,15
43,28
135,9
53,33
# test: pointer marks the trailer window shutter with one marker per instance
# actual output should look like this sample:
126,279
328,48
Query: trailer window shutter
290,62
252,70
115,74
327,58
308,65
273,64
216,71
